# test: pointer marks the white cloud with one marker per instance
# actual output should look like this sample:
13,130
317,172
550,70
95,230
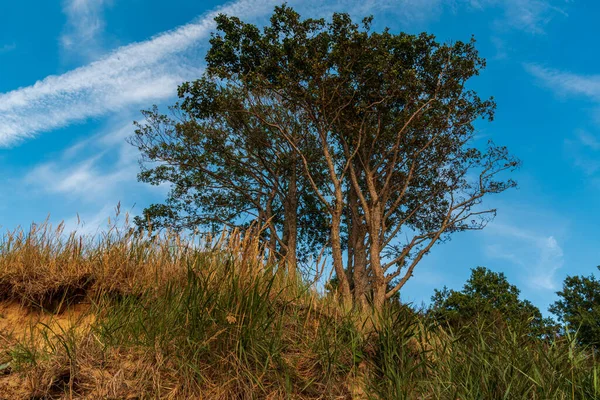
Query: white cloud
85,25
96,170
502,48
551,259
584,147
91,177
566,83
132,75
85,179
584,150
538,255
405,11
588,140
149,71
530,16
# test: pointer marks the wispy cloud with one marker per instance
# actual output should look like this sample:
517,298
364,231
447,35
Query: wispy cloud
132,75
145,72
90,177
94,223
5,48
89,224
531,16
584,146
540,255
94,170
404,11
584,149
502,48
85,25
566,83
588,140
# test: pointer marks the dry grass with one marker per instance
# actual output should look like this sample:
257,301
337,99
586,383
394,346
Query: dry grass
58,292
124,316
46,268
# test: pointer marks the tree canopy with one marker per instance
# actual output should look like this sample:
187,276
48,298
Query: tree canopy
329,135
487,294
578,307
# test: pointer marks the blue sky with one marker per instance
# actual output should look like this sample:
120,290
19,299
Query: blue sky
74,75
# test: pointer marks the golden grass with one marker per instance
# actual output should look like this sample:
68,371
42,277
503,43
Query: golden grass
128,316
47,268
54,286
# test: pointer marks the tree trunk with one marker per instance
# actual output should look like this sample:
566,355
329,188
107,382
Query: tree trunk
358,251
290,236
338,262
379,284
268,219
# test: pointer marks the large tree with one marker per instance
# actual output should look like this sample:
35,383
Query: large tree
375,127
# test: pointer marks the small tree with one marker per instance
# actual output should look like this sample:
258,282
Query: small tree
487,294
578,307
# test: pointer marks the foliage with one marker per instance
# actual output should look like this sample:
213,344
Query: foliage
327,133
488,295
578,307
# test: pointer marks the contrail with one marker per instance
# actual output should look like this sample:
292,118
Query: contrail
140,73
131,75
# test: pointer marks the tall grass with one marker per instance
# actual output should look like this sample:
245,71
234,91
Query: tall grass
172,318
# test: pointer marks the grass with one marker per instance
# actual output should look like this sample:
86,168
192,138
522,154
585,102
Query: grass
124,316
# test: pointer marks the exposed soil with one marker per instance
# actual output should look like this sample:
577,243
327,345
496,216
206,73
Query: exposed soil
16,324
17,320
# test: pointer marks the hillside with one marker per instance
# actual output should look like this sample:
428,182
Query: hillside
124,316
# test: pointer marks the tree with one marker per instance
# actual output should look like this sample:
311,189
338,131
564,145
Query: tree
226,169
486,294
377,129
578,307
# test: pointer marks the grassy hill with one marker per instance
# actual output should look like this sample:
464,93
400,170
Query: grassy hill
123,316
